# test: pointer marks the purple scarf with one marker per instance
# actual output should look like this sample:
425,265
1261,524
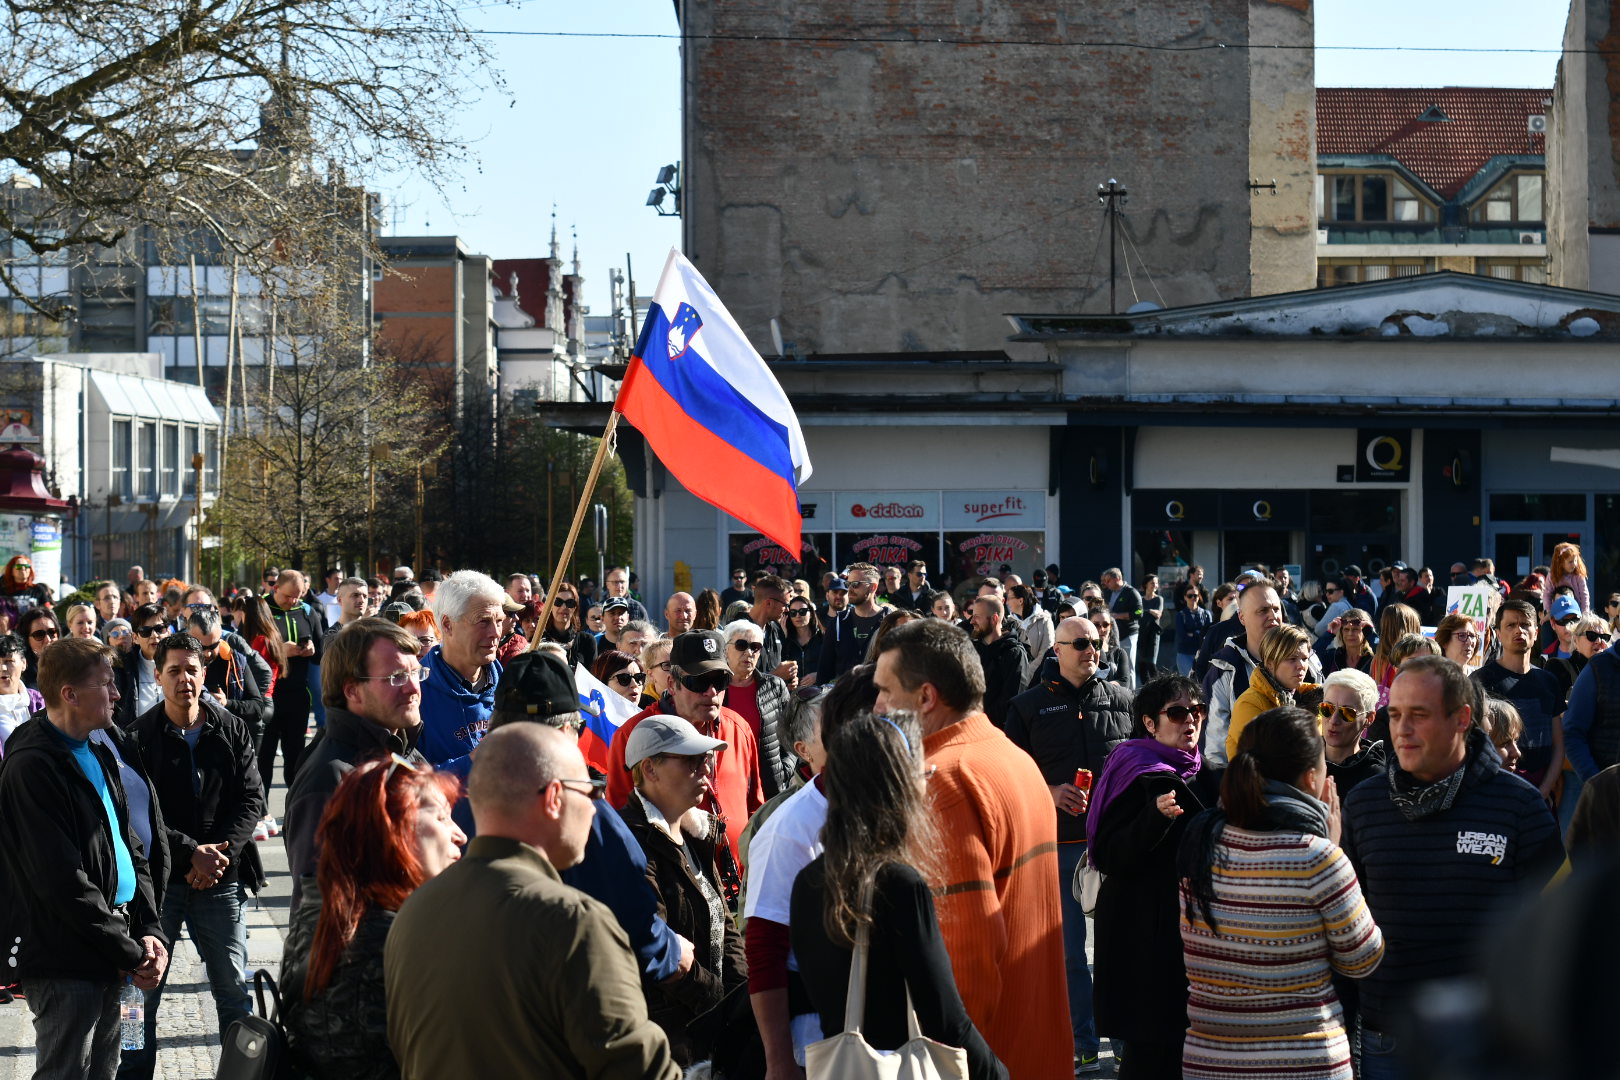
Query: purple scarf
1129,760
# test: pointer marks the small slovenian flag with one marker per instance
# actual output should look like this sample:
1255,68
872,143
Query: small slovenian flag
712,411
604,711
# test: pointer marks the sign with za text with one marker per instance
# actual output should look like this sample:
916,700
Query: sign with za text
1477,603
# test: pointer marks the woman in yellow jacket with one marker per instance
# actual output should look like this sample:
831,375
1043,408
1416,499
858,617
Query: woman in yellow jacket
1285,657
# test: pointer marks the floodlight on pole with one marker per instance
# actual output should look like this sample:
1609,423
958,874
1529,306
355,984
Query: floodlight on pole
669,182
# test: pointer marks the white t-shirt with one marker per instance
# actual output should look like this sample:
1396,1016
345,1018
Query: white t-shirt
13,711
789,841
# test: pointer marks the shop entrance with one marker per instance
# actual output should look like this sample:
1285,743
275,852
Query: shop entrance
1242,548
1524,529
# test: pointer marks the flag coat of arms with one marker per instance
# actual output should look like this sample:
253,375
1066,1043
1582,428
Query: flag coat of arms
604,711
712,411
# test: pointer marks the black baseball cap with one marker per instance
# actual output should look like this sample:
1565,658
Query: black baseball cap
615,603
536,684
699,652
1352,570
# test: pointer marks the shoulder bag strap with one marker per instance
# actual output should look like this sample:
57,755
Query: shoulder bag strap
855,998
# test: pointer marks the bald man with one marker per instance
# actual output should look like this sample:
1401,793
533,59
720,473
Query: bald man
679,613
539,975
1259,609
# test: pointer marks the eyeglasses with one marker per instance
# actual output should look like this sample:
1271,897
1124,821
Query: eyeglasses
45,635
624,678
1594,636
664,667
748,646
706,684
1080,644
1180,714
148,631
398,762
1326,712
400,678
597,787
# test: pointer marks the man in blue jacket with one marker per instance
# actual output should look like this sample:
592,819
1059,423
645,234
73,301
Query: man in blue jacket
459,694
1438,846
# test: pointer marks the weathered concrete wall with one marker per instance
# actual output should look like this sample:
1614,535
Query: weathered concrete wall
1282,146
901,194
1583,166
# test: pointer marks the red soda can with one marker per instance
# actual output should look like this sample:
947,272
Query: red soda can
1082,779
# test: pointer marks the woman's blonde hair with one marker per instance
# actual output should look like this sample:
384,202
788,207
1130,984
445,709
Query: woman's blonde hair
1281,643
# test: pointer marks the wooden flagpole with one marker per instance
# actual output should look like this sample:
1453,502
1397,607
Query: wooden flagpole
603,448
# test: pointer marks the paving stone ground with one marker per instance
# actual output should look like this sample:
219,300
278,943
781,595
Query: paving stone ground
188,1030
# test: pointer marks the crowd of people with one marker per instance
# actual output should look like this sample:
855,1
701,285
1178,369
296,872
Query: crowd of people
1286,816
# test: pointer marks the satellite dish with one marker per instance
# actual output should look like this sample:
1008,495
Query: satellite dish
776,335
1143,306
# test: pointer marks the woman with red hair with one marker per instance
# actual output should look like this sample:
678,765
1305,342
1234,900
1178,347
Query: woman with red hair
386,830
420,625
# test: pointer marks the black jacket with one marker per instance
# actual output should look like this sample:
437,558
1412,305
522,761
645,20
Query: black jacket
1005,662
298,625
1141,977
681,904
244,693
1366,763
58,870
209,796
343,743
1065,728
342,1033
776,758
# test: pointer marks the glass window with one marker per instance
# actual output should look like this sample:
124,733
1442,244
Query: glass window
121,448
1344,198
211,462
1538,507
751,551
969,554
1369,197
171,459
1517,198
146,464
188,471
1375,198
1528,203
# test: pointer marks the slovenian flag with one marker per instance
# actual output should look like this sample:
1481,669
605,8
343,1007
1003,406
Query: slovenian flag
712,411
604,712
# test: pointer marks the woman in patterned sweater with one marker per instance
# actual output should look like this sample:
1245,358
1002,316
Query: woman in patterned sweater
1270,910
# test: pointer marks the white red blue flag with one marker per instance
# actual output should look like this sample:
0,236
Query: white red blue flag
604,711
712,411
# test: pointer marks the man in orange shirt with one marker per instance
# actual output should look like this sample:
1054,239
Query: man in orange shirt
698,677
997,895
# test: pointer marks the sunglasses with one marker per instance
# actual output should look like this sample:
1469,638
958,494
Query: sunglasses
1594,636
1080,644
1180,714
148,631
706,684
566,602
397,762
748,646
44,635
1326,712
798,612
626,679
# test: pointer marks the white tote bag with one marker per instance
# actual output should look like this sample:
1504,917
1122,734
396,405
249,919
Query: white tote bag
848,1056
1086,884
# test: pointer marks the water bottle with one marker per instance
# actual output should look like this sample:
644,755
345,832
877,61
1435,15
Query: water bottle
131,1016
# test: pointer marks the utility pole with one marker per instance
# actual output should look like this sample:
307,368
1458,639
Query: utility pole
1112,196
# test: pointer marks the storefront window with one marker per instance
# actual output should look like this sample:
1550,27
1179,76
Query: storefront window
1165,552
752,552
973,554
887,549
1538,507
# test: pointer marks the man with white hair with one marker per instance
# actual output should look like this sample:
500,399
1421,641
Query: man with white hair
459,693
580,1012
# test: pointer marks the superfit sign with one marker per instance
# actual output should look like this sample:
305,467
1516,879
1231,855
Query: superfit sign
872,510
998,510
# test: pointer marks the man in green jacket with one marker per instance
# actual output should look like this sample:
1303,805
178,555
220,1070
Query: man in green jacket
495,967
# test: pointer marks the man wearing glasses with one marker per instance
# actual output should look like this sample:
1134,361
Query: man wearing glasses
227,678
373,693
84,913
1068,723
737,590
201,760
849,632
699,677
579,1012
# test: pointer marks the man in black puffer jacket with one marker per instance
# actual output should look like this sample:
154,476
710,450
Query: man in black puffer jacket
1004,659
1071,722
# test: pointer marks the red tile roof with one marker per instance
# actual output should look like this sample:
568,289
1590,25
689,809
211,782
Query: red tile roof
533,284
1484,122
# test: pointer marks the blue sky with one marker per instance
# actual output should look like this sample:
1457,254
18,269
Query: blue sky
590,120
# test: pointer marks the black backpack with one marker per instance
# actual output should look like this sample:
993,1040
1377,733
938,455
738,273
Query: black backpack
256,1046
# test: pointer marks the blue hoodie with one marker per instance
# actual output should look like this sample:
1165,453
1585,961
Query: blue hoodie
454,718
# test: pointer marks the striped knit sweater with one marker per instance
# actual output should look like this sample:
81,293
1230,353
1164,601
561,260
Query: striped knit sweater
997,896
1288,913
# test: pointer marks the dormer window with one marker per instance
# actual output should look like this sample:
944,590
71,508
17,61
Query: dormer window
1516,199
1369,196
